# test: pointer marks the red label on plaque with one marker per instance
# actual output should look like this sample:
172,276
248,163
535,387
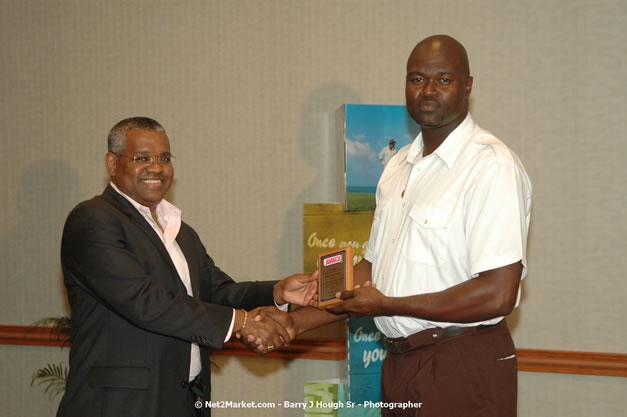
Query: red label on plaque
333,260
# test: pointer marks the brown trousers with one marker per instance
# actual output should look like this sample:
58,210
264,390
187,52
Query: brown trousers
470,375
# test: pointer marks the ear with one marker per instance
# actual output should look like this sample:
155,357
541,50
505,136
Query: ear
468,85
111,162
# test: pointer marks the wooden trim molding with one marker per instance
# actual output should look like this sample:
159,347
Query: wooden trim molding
569,362
29,336
531,360
302,348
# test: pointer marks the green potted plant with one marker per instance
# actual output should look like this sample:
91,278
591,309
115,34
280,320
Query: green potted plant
54,376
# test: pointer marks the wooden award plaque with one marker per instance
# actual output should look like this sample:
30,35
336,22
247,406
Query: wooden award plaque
336,275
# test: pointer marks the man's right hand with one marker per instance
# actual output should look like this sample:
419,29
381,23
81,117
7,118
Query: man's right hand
267,329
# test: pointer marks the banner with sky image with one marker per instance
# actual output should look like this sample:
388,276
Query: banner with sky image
367,130
366,353
328,227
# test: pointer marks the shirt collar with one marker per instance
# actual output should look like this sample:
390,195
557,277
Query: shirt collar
165,210
450,149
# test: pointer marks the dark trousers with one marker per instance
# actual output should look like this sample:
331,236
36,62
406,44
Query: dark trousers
470,375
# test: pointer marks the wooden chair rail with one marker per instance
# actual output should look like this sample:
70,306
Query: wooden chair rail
531,360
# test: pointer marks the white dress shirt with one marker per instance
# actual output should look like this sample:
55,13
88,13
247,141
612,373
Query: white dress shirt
465,210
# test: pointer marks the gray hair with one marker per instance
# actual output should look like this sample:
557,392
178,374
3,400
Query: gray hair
116,141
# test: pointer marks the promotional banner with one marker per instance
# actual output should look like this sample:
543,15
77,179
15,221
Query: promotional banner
328,399
372,135
328,227
366,352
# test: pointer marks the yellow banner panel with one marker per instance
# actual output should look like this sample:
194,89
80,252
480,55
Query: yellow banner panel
328,227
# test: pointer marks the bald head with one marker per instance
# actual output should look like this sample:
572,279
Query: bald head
438,87
438,44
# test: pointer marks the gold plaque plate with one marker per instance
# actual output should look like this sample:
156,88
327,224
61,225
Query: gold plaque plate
336,275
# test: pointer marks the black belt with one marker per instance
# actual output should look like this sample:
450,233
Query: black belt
195,386
400,345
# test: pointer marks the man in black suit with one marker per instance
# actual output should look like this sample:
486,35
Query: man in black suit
147,301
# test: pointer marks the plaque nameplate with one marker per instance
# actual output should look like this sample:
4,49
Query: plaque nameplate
336,275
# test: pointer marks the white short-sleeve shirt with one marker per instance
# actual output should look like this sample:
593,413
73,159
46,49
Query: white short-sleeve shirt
465,209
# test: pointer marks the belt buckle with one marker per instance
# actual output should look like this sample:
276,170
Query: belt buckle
454,331
390,345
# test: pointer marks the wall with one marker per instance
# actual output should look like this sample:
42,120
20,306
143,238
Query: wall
248,91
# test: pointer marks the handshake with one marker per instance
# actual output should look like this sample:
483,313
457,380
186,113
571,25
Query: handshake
265,329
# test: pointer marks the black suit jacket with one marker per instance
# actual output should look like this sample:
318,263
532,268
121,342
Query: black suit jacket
132,320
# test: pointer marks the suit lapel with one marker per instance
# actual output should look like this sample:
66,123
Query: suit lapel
122,204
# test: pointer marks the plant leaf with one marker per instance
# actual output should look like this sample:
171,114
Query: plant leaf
61,328
53,377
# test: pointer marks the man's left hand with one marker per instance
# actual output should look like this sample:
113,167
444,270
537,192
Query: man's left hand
364,301
297,289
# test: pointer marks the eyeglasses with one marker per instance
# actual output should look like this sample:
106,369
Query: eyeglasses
149,160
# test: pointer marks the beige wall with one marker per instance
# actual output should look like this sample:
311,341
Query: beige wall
248,90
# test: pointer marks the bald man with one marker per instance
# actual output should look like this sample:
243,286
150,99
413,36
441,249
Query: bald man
446,253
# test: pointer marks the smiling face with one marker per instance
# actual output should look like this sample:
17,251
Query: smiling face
438,84
146,183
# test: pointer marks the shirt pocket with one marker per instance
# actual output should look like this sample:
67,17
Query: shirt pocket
427,235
